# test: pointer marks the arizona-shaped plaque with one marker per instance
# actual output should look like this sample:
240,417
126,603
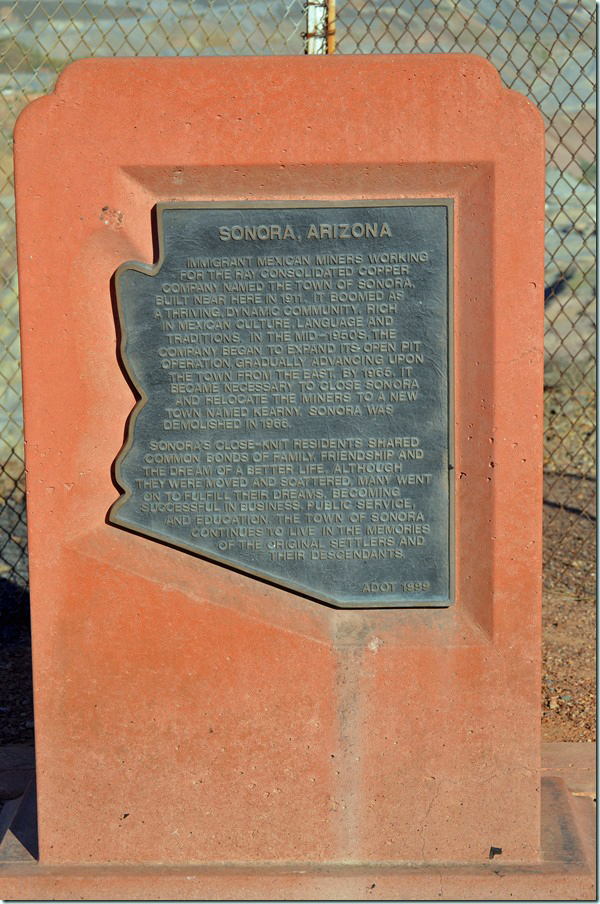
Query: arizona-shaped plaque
293,364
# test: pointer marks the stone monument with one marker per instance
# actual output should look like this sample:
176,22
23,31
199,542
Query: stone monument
282,361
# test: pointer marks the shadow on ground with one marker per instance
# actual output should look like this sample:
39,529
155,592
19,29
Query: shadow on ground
16,694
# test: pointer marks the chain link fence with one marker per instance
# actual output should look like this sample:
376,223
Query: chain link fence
542,48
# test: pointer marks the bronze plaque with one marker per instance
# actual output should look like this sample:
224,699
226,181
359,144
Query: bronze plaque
293,363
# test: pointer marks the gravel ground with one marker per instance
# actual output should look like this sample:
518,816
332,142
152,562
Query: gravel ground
569,612
570,481
569,669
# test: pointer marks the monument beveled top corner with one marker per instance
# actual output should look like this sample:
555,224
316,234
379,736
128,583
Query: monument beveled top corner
293,362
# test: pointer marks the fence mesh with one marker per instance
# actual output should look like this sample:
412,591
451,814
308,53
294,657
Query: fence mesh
542,48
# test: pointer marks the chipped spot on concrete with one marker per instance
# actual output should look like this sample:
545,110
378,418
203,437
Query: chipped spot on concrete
111,217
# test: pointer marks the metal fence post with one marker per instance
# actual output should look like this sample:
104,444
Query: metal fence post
320,26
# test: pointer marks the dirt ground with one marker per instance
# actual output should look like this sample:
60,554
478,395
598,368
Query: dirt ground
569,611
569,669
569,573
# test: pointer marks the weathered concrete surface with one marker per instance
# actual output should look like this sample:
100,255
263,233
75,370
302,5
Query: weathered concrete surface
564,872
272,728
567,856
573,762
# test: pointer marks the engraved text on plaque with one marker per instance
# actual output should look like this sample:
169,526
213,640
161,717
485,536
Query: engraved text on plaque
293,362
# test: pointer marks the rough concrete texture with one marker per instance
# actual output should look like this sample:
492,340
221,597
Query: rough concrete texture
272,728
573,762
562,873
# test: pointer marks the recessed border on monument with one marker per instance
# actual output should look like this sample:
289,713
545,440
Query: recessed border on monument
115,518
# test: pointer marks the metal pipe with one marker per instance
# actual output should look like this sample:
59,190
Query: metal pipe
330,26
316,26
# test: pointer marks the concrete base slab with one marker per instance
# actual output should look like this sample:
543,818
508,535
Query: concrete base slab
566,872
574,761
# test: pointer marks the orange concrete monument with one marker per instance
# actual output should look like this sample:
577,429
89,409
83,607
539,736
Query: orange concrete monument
286,622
